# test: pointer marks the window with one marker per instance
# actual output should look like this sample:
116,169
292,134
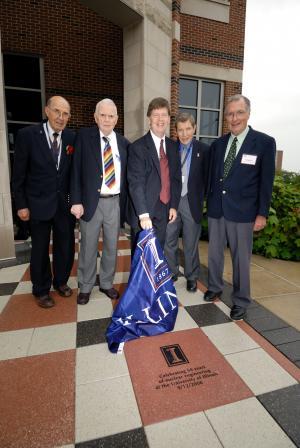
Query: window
204,100
24,93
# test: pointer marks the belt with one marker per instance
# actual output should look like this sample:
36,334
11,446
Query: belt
104,196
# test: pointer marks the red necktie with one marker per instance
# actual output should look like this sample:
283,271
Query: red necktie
164,175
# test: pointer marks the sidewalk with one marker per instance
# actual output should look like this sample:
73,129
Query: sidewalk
210,383
275,284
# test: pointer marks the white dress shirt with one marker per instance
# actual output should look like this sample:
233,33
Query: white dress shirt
157,141
49,136
240,140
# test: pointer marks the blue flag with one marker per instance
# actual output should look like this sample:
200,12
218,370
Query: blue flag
149,304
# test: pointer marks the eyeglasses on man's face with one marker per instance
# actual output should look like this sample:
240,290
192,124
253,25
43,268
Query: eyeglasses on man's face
60,114
238,114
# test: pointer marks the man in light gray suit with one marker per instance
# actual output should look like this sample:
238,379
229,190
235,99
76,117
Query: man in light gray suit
97,195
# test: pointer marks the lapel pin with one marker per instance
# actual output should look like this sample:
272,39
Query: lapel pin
198,155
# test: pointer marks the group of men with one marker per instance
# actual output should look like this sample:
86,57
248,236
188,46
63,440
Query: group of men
101,179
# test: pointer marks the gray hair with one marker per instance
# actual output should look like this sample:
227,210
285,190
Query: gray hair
182,117
105,101
238,97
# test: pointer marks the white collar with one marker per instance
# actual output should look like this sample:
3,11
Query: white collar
109,137
157,139
52,131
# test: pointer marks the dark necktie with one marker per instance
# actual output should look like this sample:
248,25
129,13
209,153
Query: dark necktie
230,157
164,175
109,167
55,147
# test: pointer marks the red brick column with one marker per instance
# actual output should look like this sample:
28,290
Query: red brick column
175,69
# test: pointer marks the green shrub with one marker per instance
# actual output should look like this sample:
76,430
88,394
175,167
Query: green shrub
281,236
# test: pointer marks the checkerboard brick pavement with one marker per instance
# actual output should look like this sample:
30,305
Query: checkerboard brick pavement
227,386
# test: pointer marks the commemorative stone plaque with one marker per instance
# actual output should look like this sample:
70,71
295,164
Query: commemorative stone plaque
180,373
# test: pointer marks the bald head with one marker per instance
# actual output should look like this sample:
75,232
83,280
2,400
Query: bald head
55,98
58,112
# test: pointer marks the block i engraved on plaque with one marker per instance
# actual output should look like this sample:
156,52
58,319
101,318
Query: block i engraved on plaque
174,355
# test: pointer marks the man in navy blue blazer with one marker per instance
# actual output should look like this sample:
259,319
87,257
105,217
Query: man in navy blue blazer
242,169
41,181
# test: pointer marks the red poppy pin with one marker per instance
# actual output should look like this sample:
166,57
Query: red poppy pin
69,150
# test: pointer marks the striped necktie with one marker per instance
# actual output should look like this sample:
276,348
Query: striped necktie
109,168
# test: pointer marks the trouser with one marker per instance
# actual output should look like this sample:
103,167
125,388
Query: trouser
106,217
240,239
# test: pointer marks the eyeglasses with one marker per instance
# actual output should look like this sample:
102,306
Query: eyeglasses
238,114
59,113
163,115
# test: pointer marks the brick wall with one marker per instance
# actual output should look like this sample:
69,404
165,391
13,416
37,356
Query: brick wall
175,69
83,52
230,88
215,43
209,42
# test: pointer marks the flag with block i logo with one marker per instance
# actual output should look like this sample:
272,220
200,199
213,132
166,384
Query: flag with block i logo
149,304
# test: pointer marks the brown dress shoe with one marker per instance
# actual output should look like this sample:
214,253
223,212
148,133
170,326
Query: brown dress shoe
45,301
112,293
83,298
64,290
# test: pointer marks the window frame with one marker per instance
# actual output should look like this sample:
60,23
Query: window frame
199,108
40,90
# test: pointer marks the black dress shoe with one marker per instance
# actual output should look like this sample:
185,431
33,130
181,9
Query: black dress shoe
112,293
45,301
237,312
191,285
174,277
210,296
64,290
83,298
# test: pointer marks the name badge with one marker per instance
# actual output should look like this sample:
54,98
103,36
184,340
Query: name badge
248,159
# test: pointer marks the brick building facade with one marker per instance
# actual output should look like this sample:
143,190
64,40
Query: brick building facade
189,51
82,53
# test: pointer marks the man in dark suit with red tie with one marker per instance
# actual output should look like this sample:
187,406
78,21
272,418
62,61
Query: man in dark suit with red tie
98,195
154,175
242,171
194,167
41,182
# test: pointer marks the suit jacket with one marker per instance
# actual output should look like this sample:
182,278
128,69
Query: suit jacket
247,190
87,174
143,173
197,181
37,184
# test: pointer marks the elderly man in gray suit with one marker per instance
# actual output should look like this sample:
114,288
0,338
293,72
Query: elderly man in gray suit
97,195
